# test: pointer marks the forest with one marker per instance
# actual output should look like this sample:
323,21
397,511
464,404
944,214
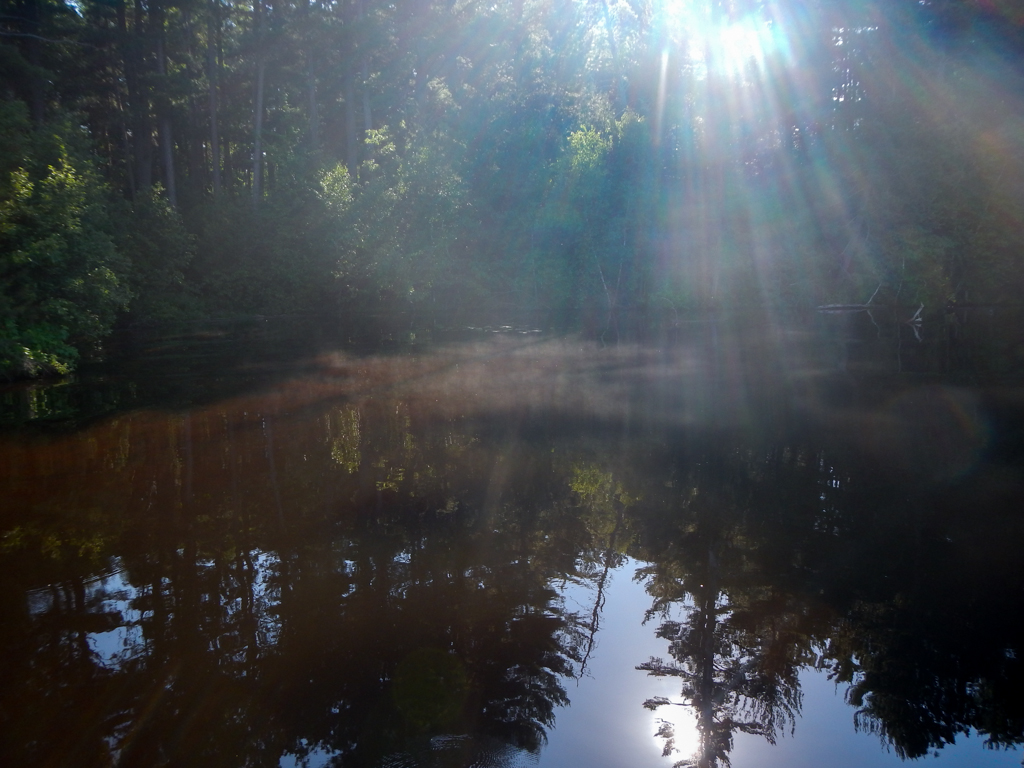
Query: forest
171,160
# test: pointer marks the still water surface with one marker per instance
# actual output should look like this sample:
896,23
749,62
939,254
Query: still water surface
780,544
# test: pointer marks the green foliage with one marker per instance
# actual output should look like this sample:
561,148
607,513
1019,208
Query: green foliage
14,143
63,282
279,256
601,207
587,152
153,235
509,155
336,189
407,213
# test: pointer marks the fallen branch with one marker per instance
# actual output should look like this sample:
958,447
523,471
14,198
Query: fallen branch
850,307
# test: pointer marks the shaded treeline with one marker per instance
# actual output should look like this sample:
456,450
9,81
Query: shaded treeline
180,158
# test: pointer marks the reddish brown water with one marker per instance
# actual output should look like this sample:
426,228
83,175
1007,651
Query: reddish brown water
460,552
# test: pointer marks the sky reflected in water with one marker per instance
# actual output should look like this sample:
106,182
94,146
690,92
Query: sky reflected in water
775,546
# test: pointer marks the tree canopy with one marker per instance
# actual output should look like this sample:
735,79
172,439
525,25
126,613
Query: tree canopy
181,158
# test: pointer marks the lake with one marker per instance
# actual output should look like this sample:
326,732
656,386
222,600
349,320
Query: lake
365,542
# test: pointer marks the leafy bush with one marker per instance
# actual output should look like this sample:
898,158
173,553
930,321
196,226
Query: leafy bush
62,280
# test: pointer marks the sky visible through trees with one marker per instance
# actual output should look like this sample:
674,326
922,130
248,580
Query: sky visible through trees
165,160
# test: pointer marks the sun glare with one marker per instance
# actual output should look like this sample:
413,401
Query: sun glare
733,48
679,724
728,46
739,43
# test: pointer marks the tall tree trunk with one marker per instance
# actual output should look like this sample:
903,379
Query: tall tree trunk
138,99
229,168
257,134
126,145
364,74
167,157
193,138
38,83
197,164
144,143
212,79
350,121
164,110
349,89
312,111
257,118
367,114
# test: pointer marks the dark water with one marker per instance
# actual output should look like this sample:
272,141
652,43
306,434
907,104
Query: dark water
293,543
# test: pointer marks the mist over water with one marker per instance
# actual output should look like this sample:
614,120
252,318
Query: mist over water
499,545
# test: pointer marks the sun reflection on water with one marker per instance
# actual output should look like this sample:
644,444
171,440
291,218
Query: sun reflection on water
675,732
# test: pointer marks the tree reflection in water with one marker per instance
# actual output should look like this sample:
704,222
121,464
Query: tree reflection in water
362,565
739,649
781,557
276,590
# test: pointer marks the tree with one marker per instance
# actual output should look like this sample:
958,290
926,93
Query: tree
63,281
